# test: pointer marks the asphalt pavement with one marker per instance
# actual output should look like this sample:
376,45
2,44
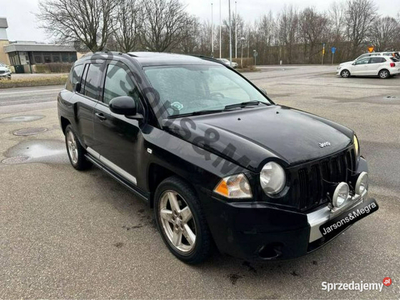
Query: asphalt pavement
69,234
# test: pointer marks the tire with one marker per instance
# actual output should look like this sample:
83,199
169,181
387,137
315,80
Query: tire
345,74
384,74
76,153
175,222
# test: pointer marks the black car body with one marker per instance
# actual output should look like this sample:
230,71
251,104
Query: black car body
141,146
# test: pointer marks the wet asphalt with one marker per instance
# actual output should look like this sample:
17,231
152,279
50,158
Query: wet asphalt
69,234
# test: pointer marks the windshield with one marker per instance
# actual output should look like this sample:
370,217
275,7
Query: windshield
187,89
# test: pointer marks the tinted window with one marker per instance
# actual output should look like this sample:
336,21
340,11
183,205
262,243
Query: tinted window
377,60
92,80
394,59
74,77
119,83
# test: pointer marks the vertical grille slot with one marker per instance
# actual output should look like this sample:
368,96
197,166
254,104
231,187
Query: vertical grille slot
309,188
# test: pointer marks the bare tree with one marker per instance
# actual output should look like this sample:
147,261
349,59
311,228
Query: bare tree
336,14
359,17
288,29
128,25
384,33
89,21
163,24
312,26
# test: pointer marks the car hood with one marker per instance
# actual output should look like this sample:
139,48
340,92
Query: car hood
347,63
251,136
4,69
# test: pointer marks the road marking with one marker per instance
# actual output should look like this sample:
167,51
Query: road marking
30,92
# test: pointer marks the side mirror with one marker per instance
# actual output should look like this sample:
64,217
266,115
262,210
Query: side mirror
125,105
78,87
264,91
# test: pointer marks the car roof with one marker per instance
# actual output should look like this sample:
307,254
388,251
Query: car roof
157,58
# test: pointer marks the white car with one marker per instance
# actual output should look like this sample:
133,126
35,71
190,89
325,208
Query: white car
226,62
4,72
382,66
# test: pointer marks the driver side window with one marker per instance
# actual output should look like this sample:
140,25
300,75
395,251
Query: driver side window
362,61
119,83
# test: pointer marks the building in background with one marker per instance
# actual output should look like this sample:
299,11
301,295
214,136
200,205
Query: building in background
3,41
32,57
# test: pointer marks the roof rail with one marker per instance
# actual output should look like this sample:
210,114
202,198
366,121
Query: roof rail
209,58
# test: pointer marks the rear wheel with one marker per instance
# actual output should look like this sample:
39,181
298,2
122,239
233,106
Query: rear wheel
345,74
181,221
76,152
384,74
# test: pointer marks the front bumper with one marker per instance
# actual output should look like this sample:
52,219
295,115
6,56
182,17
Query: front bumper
5,75
259,231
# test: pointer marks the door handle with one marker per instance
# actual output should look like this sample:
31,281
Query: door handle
101,116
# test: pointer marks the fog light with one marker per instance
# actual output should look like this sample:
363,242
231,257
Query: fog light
341,194
362,183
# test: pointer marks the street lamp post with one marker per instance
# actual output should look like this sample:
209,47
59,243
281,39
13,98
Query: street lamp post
242,39
236,30
212,31
220,30
230,35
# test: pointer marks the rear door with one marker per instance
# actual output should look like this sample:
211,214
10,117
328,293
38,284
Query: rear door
86,97
118,139
375,64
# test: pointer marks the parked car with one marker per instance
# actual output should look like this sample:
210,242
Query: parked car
227,62
218,161
382,66
5,72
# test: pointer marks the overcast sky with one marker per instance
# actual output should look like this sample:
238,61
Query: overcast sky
23,26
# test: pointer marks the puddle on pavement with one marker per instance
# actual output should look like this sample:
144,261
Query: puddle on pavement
37,151
29,131
17,119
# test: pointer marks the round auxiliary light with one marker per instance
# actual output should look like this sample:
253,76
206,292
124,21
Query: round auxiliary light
341,194
362,183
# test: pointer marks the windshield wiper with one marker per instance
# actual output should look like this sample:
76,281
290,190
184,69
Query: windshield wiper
244,104
196,113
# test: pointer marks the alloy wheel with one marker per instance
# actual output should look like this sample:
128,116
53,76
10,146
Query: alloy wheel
72,147
384,74
177,221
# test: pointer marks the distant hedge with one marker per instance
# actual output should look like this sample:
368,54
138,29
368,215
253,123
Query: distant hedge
33,81
53,68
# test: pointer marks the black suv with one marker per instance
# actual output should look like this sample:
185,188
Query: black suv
221,164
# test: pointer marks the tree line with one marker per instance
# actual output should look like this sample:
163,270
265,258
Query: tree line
292,35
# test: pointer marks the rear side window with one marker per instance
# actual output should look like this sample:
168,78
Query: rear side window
74,77
377,60
92,81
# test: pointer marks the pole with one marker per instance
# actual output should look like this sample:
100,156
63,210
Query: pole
333,57
212,31
241,54
323,53
236,29
230,35
220,31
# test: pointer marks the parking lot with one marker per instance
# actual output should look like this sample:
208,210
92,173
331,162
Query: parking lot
69,234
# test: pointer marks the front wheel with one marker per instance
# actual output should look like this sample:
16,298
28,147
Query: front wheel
383,74
345,74
76,152
181,221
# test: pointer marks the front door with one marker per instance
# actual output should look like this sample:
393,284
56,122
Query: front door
360,67
118,139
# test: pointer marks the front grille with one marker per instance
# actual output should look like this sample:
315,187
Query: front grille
310,182
2,72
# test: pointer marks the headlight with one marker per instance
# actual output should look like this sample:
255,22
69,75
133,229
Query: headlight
356,146
272,178
234,187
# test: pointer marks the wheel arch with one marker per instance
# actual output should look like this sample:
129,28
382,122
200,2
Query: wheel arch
156,174
64,123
